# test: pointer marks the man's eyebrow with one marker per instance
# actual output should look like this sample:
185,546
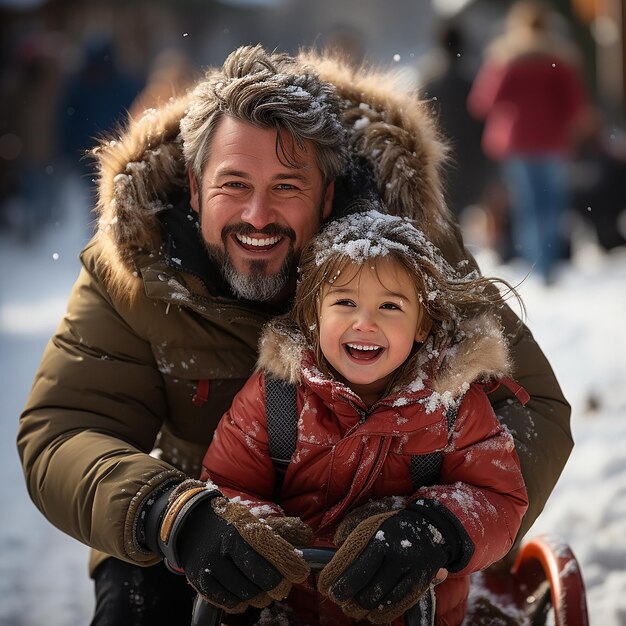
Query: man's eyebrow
297,174
232,172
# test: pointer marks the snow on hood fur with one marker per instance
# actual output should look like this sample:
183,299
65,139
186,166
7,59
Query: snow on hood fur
481,355
390,130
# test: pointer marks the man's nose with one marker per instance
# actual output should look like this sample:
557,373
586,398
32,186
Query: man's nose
257,211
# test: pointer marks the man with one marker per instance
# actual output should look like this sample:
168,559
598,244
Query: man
197,246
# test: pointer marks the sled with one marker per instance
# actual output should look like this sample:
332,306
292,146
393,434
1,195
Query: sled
544,586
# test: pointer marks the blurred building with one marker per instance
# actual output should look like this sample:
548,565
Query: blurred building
394,33
391,32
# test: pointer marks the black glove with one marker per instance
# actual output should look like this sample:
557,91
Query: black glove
388,562
228,555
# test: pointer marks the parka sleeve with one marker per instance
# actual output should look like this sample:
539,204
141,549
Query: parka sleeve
541,428
238,459
482,485
96,405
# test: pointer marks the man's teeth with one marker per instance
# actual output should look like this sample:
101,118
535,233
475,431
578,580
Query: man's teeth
356,346
269,241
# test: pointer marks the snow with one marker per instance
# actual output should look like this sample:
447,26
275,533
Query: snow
363,236
579,323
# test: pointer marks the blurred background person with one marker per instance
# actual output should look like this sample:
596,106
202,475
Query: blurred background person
474,190
94,102
29,102
598,179
531,95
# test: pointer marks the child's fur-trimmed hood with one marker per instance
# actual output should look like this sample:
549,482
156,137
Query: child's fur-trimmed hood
481,355
394,148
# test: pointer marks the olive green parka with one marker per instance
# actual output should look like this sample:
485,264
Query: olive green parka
152,348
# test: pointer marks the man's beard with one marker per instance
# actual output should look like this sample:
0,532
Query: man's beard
255,284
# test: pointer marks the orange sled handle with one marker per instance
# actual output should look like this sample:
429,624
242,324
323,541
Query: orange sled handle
544,558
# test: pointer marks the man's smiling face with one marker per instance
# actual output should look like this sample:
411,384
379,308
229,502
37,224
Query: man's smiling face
257,210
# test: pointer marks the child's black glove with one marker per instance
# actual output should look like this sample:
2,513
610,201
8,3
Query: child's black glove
228,555
387,563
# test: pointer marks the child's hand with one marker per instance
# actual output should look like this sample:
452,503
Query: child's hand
386,564
291,529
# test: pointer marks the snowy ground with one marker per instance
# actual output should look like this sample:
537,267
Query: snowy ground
579,323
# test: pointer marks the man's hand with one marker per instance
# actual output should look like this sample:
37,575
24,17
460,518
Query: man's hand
228,555
385,565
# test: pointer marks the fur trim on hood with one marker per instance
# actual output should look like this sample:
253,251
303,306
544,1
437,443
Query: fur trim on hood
394,146
481,355
136,172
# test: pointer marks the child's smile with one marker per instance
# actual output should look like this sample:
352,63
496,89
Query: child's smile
363,352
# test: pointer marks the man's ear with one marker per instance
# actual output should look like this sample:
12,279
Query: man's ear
194,191
424,325
328,200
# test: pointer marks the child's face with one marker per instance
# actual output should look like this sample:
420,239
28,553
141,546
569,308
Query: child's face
369,318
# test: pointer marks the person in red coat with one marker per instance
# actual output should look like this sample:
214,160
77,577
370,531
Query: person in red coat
530,93
392,353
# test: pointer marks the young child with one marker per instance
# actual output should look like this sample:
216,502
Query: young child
399,457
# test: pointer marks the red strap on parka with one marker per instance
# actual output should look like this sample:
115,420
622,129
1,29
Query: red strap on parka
514,387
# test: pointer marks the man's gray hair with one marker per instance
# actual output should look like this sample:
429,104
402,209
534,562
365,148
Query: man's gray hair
269,90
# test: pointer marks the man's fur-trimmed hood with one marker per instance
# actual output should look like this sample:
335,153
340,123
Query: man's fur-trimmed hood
481,355
394,147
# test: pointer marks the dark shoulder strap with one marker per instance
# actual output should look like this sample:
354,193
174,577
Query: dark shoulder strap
282,432
282,420
426,468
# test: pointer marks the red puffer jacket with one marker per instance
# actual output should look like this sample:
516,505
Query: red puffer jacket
347,455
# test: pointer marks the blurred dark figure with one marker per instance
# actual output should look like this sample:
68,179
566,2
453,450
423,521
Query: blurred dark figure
95,101
449,90
473,185
171,74
530,93
598,180
31,93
